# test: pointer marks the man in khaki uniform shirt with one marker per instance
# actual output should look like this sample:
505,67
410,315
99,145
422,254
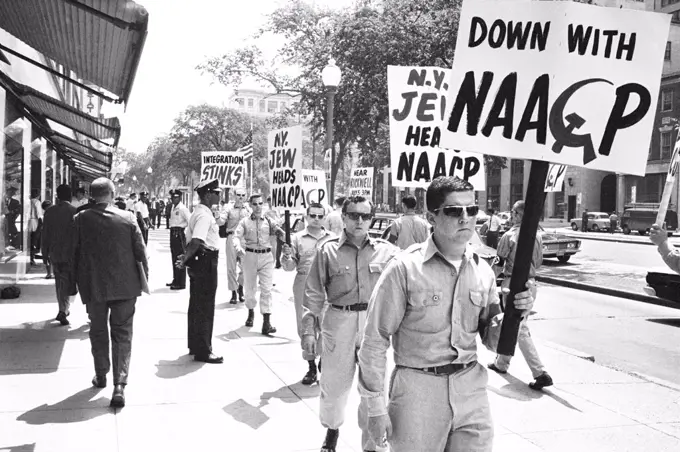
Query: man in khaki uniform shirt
432,299
409,228
299,255
232,215
344,271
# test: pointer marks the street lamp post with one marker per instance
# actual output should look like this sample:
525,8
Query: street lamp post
331,79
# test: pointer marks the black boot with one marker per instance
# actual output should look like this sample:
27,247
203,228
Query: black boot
251,317
241,298
311,376
267,327
331,441
233,297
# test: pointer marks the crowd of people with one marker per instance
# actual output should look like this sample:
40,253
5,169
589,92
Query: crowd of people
424,291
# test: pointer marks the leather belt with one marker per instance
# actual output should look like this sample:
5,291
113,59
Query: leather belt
264,251
351,307
448,369
177,228
229,233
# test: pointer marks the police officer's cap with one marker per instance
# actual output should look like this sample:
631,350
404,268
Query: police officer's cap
176,192
143,193
208,185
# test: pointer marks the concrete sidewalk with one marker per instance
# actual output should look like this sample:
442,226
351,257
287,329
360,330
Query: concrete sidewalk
254,401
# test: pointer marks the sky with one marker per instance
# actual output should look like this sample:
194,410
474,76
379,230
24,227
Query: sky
181,35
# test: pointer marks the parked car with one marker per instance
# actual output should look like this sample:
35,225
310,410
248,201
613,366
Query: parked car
506,218
380,226
558,245
640,217
597,221
482,217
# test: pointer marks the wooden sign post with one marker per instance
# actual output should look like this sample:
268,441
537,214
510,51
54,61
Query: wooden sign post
670,180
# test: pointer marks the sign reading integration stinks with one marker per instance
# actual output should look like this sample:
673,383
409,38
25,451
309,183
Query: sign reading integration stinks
562,82
228,167
361,182
417,100
285,167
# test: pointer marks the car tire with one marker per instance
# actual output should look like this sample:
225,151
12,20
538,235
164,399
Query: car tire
574,226
595,228
626,230
563,259
642,232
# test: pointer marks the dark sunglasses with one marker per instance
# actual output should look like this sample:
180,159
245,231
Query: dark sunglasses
457,211
354,216
315,216
241,196
257,203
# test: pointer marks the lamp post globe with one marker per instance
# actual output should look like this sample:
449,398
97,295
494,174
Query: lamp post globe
330,76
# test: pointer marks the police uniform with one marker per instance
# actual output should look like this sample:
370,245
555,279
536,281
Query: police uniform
232,215
304,245
202,271
346,276
179,220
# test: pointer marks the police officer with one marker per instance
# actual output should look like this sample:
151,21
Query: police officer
344,271
179,220
253,246
201,257
233,214
299,255
432,299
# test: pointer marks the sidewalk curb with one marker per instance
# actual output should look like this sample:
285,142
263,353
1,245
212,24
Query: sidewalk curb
569,351
606,291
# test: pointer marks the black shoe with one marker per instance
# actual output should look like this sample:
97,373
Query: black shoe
496,369
177,287
267,327
541,382
118,398
241,298
311,376
234,297
170,284
61,318
331,441
210,359
251,317
99,381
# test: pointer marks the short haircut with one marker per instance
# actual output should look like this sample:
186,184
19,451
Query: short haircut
492,211
519,206
64,192
409,201
133,195
80,190
355,200
316,205
35,192
440,188
340,201
101,187
253,196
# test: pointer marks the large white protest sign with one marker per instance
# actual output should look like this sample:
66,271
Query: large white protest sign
228,167
555,178
361,182
313,189
417,98
556,81
285,167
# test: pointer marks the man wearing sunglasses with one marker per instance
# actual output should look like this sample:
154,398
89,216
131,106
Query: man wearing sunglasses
344,271
432,299
254,247
299,255
233,214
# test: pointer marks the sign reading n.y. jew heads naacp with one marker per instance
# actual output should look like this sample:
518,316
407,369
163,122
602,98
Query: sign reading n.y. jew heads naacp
417,99
285,167
563,82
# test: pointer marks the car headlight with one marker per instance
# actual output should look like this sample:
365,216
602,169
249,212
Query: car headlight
571,245
545,247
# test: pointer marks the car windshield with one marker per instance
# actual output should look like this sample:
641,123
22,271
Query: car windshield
602,216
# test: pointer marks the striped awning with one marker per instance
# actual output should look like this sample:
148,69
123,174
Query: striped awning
82,150
100,40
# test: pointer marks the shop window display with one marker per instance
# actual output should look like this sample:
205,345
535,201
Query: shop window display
11,242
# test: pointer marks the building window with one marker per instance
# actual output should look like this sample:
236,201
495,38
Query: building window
240,102
251,104
495,172
494,189
262,106
667,100
668,2
666,145
675,17
517,167
282,105
271,106
667,53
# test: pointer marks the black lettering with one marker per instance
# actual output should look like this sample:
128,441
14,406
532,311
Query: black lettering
499,27
472,166
425,136
518,35
413,135
456,163
440,166
438,78
436,137
537,98
477,22
405,166
423,168
539,36
610,40
617,121
426,104
416,78
628,48
272,159
280,139
289,157
505,100
408,97
576,38
468,98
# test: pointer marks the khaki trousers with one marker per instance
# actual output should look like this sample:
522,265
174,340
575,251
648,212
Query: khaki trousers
234,270
258,265
298,297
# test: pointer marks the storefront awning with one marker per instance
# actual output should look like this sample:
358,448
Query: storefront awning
85,151
101,41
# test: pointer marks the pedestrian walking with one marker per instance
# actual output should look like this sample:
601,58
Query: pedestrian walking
409,228
108,253
274,240
160,212
298,256
253,245
168,213
430,302
12,210
35,224
201,258
152,213
343,274
130,203
48,265
80,198
142,213
233,214
584,221
334,221
613,222
492,229
179,220
57,249
507,249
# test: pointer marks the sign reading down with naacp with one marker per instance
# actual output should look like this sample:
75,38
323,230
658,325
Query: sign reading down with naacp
285,167
228,167
417,100
556,81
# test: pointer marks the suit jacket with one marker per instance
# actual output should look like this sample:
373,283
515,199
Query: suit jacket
57,233
108,244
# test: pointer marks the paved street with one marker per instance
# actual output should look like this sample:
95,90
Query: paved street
254,402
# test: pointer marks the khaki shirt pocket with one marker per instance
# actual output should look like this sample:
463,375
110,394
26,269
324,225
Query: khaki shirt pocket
472,306
341,282
422,298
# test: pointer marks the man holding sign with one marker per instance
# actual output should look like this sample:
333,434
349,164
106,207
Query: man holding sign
232,215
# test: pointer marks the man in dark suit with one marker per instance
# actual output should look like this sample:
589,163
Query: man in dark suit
57,246
107,249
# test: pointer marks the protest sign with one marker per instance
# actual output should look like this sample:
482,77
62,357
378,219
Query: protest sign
555,178
313,189
670,182
561,82
361,183
228,167
285,167
417,97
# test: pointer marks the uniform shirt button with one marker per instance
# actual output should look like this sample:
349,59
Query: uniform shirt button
436,298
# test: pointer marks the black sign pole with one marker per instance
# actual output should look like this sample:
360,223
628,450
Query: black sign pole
533,208
287,225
